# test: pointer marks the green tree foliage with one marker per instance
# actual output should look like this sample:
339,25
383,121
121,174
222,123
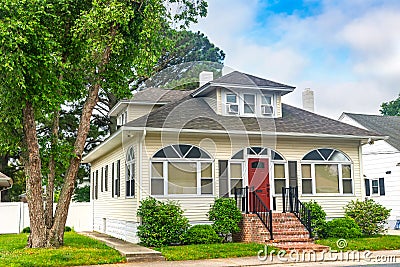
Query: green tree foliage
391,108
56,53
161,223
370,216
82,194
318,217
225,216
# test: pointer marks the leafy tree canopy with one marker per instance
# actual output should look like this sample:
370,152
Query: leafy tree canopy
391,108
56,53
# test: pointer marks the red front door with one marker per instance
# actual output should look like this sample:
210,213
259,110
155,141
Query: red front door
258,171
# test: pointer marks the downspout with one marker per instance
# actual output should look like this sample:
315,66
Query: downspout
141,165
360,159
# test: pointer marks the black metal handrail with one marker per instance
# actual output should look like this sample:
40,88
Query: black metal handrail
291,203
263,213
249,201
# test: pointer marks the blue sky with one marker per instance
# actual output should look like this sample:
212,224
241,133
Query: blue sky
348,52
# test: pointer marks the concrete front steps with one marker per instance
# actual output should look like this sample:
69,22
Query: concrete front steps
290,234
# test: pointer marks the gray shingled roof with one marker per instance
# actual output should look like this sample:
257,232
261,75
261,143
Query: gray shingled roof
159,95
195,113
240,78
385,125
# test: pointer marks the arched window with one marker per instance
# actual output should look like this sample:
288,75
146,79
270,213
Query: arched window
130,172
326,171
238,173
182,170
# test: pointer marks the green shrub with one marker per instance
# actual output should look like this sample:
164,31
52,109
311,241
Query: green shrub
67,229
162,223
318,217
26,230
341,228
369,215
201,234
225,216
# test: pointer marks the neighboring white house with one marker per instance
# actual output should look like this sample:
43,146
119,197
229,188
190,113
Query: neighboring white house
232,132
381,160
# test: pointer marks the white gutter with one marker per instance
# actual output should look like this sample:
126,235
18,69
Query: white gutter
127,102
237,132
5,184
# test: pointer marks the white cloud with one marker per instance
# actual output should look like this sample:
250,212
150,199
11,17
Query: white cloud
349,53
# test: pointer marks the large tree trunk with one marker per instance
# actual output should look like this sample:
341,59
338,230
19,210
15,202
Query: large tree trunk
52,173
38,235
56,233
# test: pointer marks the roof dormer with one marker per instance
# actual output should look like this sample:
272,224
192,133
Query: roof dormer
240,94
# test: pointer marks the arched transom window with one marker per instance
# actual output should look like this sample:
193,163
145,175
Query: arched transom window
326,171
182,170
130,172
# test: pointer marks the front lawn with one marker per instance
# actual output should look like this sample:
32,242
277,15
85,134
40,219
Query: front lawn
78,250
379,242
210,251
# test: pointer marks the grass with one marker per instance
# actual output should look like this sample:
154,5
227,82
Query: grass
379,242
210,251
77,250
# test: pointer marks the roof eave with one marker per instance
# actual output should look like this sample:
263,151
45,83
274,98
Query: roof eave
209,86
288,134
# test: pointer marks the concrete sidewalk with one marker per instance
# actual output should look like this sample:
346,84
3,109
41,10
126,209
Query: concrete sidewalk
141,256
376,258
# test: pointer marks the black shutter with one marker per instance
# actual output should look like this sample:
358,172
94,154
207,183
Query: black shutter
93,184
106,178
223,178
382,186
112,179
367,188
118,178
97,185
292,173
102,178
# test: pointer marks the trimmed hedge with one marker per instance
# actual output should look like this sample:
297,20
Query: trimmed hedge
201,234
341,228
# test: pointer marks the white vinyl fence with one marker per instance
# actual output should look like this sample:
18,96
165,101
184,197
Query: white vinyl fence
14,216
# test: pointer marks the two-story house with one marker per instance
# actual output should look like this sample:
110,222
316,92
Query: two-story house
231,132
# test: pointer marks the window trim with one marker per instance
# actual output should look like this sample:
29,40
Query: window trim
325,161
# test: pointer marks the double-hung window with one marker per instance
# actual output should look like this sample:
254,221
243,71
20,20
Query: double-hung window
266,105
130,173
232,106
249,103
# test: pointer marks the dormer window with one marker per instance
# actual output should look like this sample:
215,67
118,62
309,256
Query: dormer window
232,104
266,105
249,103
122,118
